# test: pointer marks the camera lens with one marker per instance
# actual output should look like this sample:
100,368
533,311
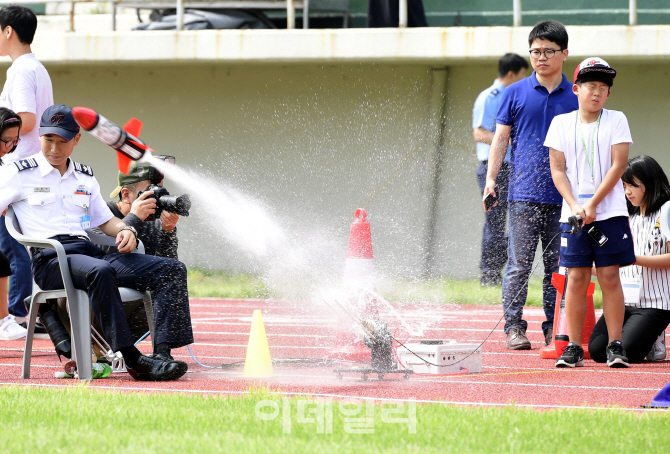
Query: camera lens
179,204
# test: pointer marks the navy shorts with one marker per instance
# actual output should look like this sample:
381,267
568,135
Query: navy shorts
583,251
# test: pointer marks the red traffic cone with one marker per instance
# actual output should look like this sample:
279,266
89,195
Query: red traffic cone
359,278
561,339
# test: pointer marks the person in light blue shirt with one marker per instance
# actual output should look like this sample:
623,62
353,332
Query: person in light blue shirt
526,111
511,68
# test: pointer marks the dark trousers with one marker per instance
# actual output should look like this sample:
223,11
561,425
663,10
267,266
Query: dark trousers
20,282
384,13
494,238
530,223
641,327
101,275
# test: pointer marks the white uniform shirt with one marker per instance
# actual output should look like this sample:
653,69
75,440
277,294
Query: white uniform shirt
48,204
564,135
655,282
27,89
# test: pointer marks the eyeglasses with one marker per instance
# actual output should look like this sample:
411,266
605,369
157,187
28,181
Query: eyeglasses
13,143
549,53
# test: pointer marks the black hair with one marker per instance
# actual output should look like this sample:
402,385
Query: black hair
9,119
550,30
511,62
22,20
132,187
645,170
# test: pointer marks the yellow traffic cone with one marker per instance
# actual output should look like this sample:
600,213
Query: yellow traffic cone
258,362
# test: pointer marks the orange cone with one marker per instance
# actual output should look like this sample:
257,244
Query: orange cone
560,341
359,277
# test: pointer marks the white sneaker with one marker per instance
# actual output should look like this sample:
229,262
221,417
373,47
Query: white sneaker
10,330
657,352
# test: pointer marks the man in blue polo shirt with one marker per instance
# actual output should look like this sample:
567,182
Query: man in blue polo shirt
525,113
511,68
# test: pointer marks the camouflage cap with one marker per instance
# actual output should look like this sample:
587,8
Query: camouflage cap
139,171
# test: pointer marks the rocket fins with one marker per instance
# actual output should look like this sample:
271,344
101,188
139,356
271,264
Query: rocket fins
134,127
123,162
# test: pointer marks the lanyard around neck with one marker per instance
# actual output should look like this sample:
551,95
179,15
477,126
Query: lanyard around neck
590,159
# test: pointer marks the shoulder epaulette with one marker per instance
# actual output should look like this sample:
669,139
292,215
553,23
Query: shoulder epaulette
23,164
83,168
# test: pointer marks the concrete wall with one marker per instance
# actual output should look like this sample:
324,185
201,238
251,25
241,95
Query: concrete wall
313,142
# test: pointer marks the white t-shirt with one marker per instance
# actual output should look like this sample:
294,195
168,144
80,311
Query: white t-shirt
565,135
27,89
654,282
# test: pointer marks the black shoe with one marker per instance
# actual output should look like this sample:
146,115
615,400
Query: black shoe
27,302
39,326
573,356
154,369
616,355
183,367
57,333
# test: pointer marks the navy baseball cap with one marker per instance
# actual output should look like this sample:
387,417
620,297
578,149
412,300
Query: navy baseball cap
59,120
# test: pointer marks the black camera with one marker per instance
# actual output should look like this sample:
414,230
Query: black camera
179,204
575,225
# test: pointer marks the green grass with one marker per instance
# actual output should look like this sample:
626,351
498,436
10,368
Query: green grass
204,283
218,284
80,420
456,291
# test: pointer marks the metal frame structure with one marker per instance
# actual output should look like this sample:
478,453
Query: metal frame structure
290,5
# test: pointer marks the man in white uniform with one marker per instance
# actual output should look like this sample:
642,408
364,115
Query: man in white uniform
55,197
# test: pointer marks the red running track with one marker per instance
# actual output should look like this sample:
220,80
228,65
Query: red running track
303,330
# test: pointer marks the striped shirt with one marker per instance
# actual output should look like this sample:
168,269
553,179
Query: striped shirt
655,283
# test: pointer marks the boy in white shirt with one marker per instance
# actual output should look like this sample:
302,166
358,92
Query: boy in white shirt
588,151
28,89
27,92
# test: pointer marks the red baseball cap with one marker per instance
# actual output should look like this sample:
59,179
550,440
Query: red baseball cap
595,69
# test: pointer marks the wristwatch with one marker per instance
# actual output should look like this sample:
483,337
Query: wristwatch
132,229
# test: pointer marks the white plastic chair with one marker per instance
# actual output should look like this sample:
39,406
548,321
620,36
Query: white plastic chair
77,300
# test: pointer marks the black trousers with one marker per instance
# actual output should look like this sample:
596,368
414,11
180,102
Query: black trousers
494,236
101,275
641,327
385,13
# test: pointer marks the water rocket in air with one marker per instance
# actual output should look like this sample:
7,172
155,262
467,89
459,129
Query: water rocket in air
124,140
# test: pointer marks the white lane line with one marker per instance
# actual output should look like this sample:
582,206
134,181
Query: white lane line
450,380
549,385
31,365
583,370
434,330
271,347
487,369
337,396
223,333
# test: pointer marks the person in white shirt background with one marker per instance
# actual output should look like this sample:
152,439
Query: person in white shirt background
28,92
10,126
647,284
